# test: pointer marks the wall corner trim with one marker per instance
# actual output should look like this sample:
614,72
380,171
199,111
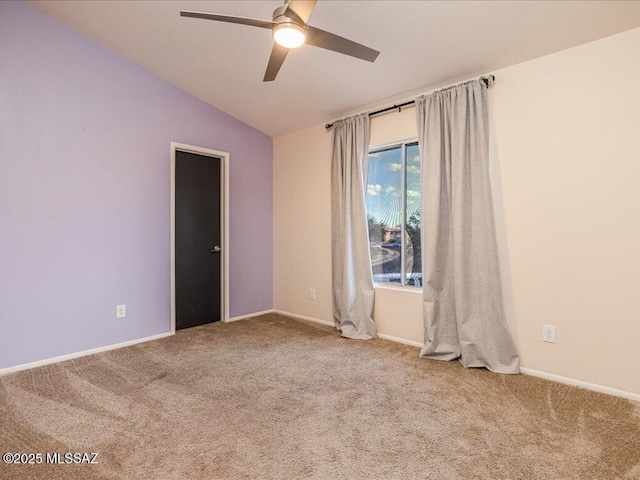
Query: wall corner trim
84,353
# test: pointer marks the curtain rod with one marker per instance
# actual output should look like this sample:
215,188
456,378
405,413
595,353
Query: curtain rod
486,81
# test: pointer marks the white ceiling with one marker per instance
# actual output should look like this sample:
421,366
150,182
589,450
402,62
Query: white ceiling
423,45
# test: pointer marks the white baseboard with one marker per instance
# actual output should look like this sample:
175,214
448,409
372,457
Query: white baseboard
70,356
332,324
304,317
391,338
579,383
249,315
527,371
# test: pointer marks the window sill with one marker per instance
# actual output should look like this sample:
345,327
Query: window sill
399,288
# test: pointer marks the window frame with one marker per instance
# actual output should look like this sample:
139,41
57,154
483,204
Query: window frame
402,144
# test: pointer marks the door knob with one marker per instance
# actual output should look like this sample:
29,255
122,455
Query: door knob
215,249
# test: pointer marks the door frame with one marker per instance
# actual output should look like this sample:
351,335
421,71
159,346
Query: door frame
224,225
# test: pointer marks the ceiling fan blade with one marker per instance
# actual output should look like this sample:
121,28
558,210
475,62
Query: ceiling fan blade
301,8
254,22
322,39
278,54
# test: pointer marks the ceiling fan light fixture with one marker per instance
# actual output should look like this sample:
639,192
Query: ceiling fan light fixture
289,29
289,35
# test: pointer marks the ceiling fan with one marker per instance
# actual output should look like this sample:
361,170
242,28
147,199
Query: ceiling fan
290,30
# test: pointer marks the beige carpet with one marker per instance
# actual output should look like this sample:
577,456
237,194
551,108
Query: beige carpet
277,398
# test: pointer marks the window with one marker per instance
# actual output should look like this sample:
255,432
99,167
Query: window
393,212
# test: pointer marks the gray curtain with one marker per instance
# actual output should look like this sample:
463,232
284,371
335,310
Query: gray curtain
351,258
463,312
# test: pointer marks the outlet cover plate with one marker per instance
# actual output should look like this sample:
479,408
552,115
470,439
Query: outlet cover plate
121,311
549,333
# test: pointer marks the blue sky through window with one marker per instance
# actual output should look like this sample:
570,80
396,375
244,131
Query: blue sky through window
384,185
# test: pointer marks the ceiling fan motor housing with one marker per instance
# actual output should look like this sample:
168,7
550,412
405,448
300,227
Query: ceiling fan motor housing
280,16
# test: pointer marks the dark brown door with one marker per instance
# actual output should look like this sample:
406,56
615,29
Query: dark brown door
197,239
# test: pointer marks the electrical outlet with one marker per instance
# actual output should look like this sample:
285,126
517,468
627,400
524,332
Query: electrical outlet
312,293
121,311
549,333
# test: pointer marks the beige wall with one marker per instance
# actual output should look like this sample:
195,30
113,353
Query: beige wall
302,222
565,165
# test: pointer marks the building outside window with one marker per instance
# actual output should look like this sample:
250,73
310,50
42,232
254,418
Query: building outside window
393,203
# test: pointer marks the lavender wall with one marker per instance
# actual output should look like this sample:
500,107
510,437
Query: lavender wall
84,192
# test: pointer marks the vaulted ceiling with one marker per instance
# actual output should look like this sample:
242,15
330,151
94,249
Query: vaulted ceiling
423,45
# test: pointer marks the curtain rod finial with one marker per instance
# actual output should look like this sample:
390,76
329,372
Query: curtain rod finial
488,80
